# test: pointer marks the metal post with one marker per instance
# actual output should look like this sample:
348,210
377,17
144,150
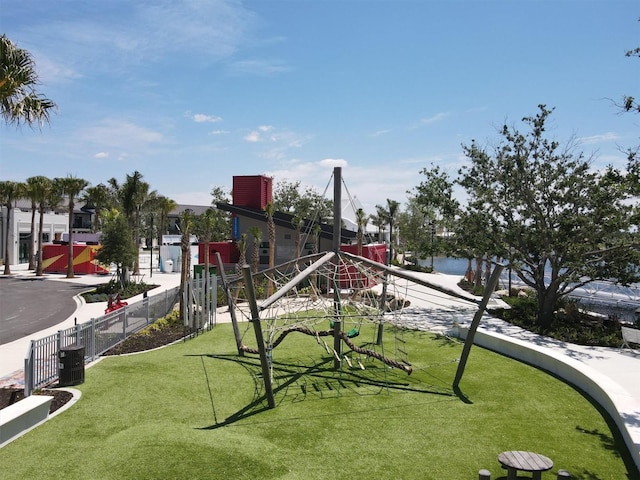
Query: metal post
337,231
232,309
488,291
255,320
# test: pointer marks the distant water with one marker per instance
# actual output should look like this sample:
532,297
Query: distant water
448,265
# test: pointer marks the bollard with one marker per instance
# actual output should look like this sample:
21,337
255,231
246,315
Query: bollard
563,475
484,474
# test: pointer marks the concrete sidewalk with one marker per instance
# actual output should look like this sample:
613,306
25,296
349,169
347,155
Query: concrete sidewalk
12,354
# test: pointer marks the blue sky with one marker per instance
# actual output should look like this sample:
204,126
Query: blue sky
191,93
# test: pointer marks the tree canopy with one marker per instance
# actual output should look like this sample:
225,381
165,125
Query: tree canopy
20,102
542,207
307,203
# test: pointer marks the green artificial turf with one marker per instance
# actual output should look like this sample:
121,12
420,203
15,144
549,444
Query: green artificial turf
196,410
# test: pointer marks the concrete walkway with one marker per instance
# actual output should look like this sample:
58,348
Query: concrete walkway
609,375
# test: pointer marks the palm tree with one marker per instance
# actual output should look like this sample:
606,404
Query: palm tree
389,215
297,223
271,228
256,235
205,226
71,187
97,198
166,206
186,226
132,195
9,192
42,189
242,248
361,222
379,221
19,101
31,194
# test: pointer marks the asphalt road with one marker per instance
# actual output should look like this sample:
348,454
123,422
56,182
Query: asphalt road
29,305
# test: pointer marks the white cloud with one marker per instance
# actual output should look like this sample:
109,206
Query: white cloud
604,137
218,132
201,117
380,133
263,68
265,128
119,136
112,39
101,155
253,137
436,118
333,162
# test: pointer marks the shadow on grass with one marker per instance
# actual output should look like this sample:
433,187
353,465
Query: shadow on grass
294,382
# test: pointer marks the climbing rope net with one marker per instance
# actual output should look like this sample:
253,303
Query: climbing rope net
331,297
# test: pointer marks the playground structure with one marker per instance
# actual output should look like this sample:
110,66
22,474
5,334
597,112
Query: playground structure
330,296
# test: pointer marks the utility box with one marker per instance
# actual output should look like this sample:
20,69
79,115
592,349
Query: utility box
71,366
198,270
253,191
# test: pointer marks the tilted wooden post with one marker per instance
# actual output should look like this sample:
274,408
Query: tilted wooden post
255,320
230,301
488,291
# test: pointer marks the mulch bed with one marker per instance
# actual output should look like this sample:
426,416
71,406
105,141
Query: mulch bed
10,395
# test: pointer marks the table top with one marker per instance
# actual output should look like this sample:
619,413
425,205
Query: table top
525,461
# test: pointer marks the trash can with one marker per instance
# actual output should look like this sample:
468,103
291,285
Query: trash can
168,265
71,366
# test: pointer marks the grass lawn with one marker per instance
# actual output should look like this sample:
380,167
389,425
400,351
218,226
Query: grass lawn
195,410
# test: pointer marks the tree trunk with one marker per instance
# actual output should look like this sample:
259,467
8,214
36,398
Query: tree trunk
478,275
547,301
469,273
32,238
39,270
70,273
7,260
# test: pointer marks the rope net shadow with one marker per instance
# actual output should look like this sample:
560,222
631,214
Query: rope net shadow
331,297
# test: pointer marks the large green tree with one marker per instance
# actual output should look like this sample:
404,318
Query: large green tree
19,100
117,244
561,223
221,231
71,187
307,203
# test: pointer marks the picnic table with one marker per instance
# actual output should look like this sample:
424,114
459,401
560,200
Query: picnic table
526,462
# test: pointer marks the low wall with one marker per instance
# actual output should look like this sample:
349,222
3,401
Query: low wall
608,394
22,416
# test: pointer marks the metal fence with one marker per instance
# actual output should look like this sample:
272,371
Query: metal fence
41,366
199,302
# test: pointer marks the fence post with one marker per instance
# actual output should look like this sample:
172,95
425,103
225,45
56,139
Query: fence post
124,321
77,334
28,370
93,339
